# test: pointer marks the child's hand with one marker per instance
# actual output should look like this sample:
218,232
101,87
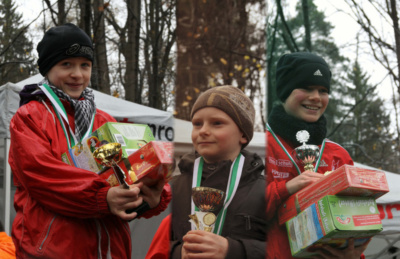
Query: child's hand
151,190
202,244
301,181
351,252
119,200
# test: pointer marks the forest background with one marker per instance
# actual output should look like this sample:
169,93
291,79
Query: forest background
163,54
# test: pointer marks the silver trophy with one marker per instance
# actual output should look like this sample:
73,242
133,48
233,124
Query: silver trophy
208,200
306,154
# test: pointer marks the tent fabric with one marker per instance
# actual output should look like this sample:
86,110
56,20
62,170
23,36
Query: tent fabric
389,203
161,122
9,103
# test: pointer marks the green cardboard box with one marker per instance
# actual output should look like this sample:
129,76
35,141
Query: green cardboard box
131,137
333,220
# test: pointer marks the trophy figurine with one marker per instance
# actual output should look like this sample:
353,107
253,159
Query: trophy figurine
306,154
109,155
208,200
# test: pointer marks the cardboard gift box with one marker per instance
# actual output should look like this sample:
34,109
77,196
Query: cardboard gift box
131,137
154,160
333,220
347,180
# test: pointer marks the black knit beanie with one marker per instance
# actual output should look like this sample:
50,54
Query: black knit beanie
299,70
233,102
63,42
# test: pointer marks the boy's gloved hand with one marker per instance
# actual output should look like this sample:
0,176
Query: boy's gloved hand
202,244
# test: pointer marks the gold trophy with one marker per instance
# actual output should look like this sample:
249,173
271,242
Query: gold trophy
208,200
109,155
306,154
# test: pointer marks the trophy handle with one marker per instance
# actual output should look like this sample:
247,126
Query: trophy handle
120,175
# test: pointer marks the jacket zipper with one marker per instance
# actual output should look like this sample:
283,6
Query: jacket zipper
47,234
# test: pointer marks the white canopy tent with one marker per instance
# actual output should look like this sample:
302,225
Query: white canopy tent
389,208
161,123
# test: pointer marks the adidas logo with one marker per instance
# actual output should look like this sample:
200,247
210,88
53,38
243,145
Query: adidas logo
323,164
318,73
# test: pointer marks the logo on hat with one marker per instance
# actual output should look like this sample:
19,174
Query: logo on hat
318,73
73,49
77,49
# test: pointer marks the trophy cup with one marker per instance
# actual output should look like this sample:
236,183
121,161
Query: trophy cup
109,155
208,200
306,154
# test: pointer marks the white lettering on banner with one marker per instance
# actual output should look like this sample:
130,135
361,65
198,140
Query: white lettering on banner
280,162
277,174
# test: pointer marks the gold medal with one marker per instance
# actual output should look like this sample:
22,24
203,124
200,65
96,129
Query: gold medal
209,218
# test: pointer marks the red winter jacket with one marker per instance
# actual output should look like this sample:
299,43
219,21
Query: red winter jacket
62,210
159,247
279,170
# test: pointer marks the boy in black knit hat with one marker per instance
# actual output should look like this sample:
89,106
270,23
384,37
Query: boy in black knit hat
64,211
303,86
223,121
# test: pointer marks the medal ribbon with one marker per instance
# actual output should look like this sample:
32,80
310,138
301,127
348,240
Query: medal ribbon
63,117
233,183
290,157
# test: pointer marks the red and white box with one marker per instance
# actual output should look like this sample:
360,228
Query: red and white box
154,160
347,180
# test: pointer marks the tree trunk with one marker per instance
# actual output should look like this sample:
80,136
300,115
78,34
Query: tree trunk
101,77
306,25
191,72
130,51
85,14
154,90
395,18
61,16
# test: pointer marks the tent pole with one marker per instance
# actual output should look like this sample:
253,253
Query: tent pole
7,189
384,250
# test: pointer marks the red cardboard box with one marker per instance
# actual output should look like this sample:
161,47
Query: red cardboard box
347,180
153,160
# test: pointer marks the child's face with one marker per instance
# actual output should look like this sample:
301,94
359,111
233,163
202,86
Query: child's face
216,136
71,75
307,104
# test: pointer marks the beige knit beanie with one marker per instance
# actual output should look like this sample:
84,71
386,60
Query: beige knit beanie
233,102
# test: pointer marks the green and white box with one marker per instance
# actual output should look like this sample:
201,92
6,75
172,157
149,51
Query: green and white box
131,137
333,220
